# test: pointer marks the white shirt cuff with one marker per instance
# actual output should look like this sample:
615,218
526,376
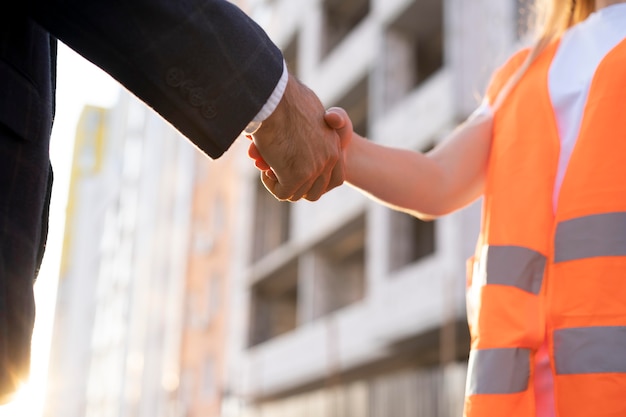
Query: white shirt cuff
271,103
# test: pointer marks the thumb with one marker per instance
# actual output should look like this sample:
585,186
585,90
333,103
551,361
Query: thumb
338,119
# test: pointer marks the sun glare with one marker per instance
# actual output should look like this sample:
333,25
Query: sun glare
25,404
29,400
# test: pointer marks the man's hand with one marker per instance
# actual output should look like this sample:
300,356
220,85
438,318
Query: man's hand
301,154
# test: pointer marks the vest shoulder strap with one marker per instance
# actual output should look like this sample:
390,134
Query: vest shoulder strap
501,75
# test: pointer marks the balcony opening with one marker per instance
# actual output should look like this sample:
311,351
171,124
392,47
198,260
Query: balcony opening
411,239
340,269
413,48
274,307
271,223
340,18
356,104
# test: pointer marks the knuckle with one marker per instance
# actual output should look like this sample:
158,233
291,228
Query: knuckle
283,194
313,198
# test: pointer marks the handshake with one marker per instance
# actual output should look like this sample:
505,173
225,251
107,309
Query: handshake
299,148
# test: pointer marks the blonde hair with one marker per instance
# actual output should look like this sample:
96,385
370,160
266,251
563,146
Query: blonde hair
551,19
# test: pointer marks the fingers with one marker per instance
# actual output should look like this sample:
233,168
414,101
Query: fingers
319,188
279,190
331,176
269,183
337,176
298,184
259,162
310,190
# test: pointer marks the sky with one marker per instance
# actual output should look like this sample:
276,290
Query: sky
78,83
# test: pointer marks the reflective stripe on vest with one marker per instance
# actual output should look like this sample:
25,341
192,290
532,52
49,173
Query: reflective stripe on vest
590,350
590,236
498,371
514,266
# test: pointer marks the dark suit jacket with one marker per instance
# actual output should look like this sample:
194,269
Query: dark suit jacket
202,64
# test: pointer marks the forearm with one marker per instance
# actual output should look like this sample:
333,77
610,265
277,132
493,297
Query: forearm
401,179
203,65
424,185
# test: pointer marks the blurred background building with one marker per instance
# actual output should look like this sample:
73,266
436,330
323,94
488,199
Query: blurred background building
119,317
187,290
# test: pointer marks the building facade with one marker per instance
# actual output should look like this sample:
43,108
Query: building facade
118,326
74,315
211,264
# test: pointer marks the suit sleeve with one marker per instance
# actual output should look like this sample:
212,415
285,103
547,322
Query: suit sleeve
203,65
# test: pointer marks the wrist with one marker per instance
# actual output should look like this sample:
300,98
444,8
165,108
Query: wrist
353,156
269,129
252,127
270,106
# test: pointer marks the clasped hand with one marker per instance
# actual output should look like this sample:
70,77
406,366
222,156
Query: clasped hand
299,148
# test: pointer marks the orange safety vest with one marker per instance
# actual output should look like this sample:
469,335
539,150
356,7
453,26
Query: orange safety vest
537,273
